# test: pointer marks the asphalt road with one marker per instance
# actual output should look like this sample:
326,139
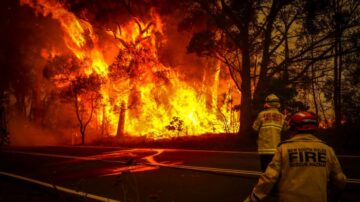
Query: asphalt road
138,175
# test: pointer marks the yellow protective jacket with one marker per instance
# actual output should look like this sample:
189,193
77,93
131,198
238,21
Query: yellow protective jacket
269,124
302,166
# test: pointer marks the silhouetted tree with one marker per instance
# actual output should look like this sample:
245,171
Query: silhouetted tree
83,91
21,61
272,32
85,95
342,18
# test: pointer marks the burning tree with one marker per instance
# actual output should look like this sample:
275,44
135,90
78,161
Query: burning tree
127,59
135,55
83,91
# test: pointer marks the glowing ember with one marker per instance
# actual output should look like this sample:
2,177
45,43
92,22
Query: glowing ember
150,97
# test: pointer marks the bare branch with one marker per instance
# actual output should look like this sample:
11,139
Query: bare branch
314,60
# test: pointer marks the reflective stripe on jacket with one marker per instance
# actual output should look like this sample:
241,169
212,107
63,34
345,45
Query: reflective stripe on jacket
269,124
302,166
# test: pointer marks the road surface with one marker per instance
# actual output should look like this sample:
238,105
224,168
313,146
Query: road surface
88,173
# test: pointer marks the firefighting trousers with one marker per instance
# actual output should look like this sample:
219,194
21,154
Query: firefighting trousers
265,159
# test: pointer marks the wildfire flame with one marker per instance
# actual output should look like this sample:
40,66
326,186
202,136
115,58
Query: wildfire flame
155,101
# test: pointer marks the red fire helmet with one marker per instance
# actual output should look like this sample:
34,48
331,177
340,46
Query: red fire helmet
304,121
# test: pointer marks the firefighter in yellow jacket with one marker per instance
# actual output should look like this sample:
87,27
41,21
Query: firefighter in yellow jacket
302,167
269,124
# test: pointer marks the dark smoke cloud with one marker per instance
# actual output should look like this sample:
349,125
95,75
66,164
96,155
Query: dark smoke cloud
24,37
107,11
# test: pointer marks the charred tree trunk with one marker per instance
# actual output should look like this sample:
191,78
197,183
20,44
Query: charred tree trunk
313,80
121,123
78,116
337,66
83,124
337,83
245,107
21,104
287,55
339,113
260,90
82,132
103,123
323,112
36,111
335,97
314,90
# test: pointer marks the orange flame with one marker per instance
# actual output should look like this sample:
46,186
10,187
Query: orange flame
158,104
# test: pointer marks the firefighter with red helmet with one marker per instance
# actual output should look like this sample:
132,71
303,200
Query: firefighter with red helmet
269,124
302,166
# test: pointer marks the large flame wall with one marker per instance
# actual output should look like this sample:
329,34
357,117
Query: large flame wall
155,100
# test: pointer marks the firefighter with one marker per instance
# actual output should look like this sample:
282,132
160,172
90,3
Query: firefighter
269,124
302,167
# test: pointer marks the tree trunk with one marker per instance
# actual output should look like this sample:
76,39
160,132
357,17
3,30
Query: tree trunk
337,69
121,123
83,139
313,80
260,89
82,132
36,112
20,104
103,126
245,108
323,113
339,84
314,91
287,56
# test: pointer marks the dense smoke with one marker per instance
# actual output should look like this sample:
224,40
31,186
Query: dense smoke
24,37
